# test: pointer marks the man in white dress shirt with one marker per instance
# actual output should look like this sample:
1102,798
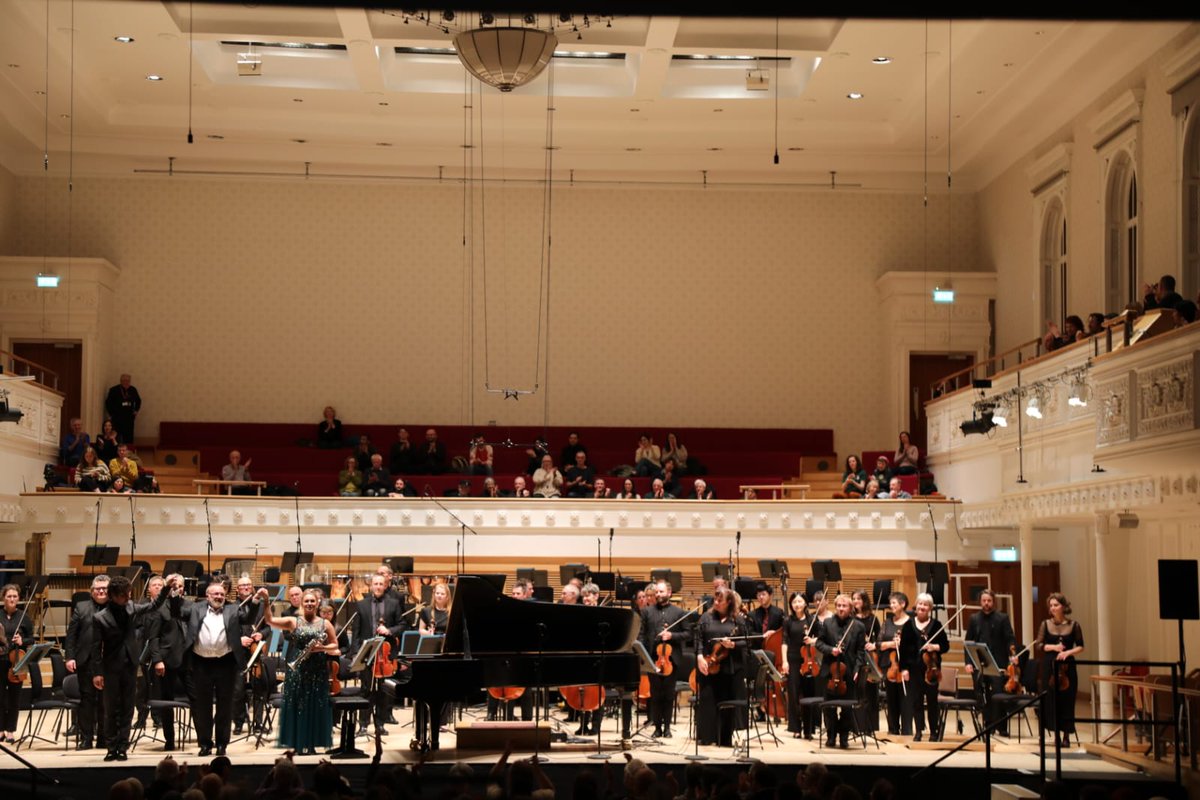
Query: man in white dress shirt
215,643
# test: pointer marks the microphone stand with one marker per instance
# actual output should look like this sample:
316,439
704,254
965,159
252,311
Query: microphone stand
738,550
96,537
695,724
463,525
602,631
132,532
298,548
610,544
208,519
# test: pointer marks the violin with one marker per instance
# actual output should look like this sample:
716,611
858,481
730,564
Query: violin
1013,671
837,670
1063,677
809,667
933,666
384,666
662,660
720,653
17,654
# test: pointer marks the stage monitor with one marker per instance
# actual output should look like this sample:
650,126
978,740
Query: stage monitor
772,568
827,571
291,559
713,569
671,576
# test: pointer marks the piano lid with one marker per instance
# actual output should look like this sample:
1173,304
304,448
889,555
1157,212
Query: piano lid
483,621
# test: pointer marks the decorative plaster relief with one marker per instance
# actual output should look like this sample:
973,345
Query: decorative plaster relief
1166,397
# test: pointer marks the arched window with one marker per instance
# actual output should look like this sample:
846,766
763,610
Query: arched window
1054,263
1121,225
1191,210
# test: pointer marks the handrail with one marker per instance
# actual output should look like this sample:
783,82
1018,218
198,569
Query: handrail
1140,682
943,385
42,374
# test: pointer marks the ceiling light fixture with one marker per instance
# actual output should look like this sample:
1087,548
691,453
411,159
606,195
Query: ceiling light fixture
1080,394
216,137
855,95
941,295
505,57
47,280
1033,408
154,77
881,60
123,39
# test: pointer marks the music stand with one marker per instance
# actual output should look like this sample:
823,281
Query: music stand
982,659
671,576
605,581
935,575
811,587
713,569
494,579
34,652
186,567
292,558
543,594
537,577
880,592
626,587
568,571
771,568
746,587
645,662
401,565
408,642
431,645
258,648
827,571
100,556
366,654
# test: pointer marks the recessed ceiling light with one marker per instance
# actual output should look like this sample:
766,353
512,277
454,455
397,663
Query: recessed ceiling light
123,39
979,91
39,91
383,144
1008,63
64,116
881,60
554,147
467,146
14,66
635,110
300,141
297,99
718,110
383,102
855,95
795,149
215,137
633,149
154,77
715,149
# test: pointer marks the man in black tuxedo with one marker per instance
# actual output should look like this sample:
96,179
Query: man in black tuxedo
380,614
115,657
249,617
213,636
165,633
78,650
993,628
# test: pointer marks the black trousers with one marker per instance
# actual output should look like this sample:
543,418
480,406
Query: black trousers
10,701
925,702
662,700
524,702
167,687
800,720
899,708
119,693
212,680
90,699
992,711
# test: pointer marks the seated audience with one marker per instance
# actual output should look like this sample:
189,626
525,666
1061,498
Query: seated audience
118,486
572,447
92,474
401,489
1185,313
1072,332
872,489
540,448
107,441
363,453
123,466
433,455
750,493
480,456
628,491
658,491
579,476
1161,294
400,459
235,470
677,452
1095,323
701,491
490,489
547,481
854,479
883,471
350,479
895,491
647,459
463,489
669,476
519,489
329,430
73,444
377,481
600,491
907,458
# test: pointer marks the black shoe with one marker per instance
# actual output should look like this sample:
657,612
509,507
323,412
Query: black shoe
168,747
808,735
845,743
666,733
657,732
582,730
122,755
110,756
205,751
84,744
917,736
73,730
391,720
830,742
237,729
221,751
362,730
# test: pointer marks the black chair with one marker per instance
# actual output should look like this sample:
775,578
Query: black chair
58,701
950,699
854,708
271,575
1008,701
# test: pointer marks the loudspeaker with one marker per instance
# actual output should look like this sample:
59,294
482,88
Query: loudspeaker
1178,589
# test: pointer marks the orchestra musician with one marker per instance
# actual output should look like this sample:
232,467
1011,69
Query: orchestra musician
294,595
800,622
570,593
164,631
994,629
840,640
78,651
145,677
923,634
379,614
18,634
590,721
860,606
720,655
821,606
1060,639
250,622
656,619
899,703
115,658
433,618
213,636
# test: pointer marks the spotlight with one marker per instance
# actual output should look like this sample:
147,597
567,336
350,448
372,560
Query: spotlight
1127,520
486,18
1033,408
8,414
981,424
1000,417
47,280
529,19
1079,395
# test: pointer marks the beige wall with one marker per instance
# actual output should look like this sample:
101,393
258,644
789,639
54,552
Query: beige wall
1008,231
8,211
267,300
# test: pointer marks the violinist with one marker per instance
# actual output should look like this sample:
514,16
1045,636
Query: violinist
1060,639
249,615
18,634
899,708
860,606
840,640
993,628
720,648
656,619
821,606
923,643
379,614
766,618
800,623
432,619
164,632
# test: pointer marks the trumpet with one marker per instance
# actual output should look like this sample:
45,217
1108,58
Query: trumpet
309,649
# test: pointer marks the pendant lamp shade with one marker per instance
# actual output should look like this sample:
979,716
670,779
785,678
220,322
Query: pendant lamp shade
505,57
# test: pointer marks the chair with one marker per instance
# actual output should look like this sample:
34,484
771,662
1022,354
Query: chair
59,701
950,700
1007,701
851,706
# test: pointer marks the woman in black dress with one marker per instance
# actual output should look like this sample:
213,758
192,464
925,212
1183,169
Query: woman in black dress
799,624
923,634
868,689
899,703
18,635
433,617
719,669
1060,639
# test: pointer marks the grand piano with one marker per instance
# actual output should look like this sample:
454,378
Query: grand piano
496,640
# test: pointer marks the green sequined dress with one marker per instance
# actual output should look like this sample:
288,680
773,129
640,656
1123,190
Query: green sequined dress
306,720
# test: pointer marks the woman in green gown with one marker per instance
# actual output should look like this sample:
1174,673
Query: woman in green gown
305,719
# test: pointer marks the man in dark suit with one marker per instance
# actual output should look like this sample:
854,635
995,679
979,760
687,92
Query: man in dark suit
655,621
115,657
840,640
380,614
993,628
249,618
165,633
213,636
78,650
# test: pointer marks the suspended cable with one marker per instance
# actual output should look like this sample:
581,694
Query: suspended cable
775,82
191,29
548,212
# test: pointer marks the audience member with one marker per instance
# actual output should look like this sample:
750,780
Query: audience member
329,430
580,478
433,454
107,441
461,489
400,488
669,476
401,458
235,470
1095,324
658,491
490,489
350,479
1161,294
674,450
123,466
519,489
873,489
600,490
647,459
907,458
883,471
73,444
1072,332
628,491
377,480
700,490
92,474
1185,313
480,456
854,479
363,453
572,447
122,405
895,491
118,486
547,480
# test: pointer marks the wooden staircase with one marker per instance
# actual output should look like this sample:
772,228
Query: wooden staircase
823,474
174,469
